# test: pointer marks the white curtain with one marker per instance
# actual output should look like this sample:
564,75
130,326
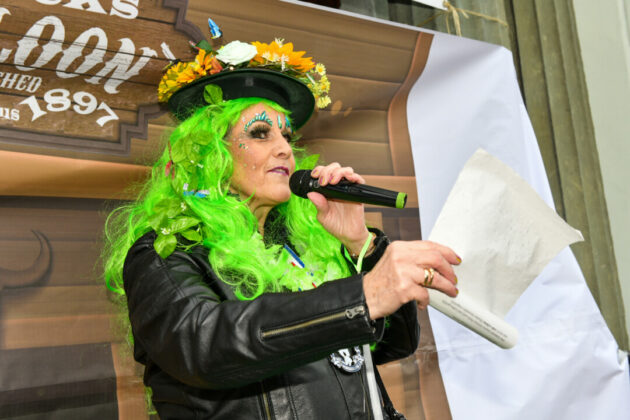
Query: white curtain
567,364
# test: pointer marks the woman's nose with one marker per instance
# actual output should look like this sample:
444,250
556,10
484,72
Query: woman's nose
281,145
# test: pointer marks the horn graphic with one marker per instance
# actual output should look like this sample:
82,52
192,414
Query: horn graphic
30,275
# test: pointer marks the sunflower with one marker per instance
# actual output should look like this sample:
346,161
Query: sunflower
191,73
277,52
182,73
205,63
169,83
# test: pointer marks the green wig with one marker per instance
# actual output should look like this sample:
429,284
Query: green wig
187,202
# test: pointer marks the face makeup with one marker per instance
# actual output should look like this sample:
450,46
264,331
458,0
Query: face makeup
263,157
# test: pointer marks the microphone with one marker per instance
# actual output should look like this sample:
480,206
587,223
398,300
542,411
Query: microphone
301,183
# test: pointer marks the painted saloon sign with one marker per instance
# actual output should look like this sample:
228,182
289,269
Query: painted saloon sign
83,73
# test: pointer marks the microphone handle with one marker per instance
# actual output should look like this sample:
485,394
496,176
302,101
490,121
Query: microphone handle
360,193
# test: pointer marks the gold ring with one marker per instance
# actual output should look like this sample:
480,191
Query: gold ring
428,276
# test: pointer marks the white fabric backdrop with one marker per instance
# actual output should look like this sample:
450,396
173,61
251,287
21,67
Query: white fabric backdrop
566,364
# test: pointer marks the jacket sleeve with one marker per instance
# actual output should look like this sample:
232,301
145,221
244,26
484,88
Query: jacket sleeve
197,337
402,332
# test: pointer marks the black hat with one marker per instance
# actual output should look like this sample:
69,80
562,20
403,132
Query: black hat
288,92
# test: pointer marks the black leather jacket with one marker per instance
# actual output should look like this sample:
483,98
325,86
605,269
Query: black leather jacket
209,355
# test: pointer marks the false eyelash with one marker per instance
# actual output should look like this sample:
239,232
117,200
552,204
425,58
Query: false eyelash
258,130
262,129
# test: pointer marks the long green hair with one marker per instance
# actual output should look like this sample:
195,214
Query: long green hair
188,196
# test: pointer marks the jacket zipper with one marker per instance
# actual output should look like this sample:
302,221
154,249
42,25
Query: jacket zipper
348,313
266,404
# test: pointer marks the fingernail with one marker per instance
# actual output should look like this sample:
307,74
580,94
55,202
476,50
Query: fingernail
456,280
315,172
321,180
456,291
459,259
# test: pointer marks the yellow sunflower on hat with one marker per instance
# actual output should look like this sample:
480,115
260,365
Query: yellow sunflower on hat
279,53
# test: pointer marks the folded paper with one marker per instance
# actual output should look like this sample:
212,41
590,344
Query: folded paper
505,234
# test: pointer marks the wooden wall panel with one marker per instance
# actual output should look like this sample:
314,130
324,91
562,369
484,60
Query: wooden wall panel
349,93
64,323
129,387
28,333
392,376
58,224
356,154
57,301
67,305
374,219
358,125
66,382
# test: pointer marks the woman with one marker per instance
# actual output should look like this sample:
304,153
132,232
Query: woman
244,300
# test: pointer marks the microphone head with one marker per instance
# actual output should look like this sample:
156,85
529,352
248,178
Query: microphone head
300,182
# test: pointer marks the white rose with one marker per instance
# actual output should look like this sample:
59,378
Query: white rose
236,52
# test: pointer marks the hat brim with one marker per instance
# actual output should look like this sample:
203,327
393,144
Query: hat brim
286,91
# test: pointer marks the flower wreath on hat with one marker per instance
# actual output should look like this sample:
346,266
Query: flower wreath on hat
276,56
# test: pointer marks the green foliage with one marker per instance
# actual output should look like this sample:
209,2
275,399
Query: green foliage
165,244
213,95
204,45
192,235
309,162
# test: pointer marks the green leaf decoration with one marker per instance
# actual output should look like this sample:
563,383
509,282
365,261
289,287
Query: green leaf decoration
183,223
174,208
165,208
309,162
188,149
157,220
203,140
205,45
162,205
213,94
178,184
187,166
178,153
165,244
193,181
192,235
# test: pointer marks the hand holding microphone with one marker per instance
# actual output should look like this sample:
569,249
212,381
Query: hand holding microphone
338,193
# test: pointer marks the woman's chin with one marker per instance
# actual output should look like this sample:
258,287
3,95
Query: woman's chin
284,198
274,198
